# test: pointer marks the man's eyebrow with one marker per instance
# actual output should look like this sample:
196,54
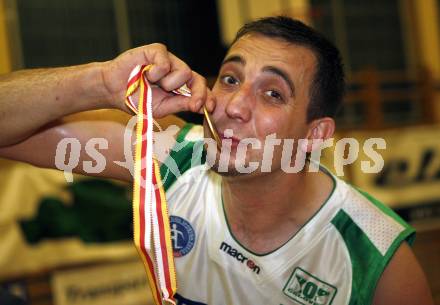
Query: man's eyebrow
234,58
283,75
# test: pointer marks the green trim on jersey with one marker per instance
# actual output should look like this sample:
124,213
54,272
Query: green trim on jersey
367,262
185,154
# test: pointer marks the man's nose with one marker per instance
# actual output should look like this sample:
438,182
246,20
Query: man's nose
240,104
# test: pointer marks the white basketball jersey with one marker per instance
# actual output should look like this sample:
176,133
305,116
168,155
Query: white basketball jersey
337,257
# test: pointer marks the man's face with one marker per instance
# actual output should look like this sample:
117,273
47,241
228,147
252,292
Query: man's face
263,88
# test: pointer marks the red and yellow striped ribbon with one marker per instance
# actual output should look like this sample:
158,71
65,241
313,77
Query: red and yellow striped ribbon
151,222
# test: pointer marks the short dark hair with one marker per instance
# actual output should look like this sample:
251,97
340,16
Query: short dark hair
328,86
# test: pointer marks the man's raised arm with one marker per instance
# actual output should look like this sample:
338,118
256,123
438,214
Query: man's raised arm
30,99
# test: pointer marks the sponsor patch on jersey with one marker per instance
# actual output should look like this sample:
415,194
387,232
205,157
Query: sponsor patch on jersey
182,236
228,249
306,288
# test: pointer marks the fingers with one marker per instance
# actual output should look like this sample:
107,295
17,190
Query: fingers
210,102
157,55
179,74
175,75
170,105
199,92
170,73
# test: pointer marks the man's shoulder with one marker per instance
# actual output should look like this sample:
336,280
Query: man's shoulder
376,222
371,233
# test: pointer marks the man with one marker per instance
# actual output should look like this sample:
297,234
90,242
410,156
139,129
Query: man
267,236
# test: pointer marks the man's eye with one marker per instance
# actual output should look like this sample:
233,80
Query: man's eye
274,94
229,80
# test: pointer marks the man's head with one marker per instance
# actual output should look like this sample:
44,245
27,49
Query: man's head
279,78
327,89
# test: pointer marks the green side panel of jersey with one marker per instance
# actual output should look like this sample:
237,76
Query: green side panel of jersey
367,262
184,155
364,258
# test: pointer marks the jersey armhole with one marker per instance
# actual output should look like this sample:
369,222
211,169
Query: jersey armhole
367,262
407,235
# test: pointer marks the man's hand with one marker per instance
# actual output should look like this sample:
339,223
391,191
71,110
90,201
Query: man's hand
168,73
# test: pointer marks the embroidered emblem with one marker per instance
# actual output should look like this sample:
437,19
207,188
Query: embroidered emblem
182,236
307,289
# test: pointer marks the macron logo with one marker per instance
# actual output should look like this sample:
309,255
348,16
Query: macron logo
240,257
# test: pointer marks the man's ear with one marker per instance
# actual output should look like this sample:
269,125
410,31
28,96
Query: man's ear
319,130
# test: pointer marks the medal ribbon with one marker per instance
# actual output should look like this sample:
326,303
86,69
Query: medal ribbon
152,236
